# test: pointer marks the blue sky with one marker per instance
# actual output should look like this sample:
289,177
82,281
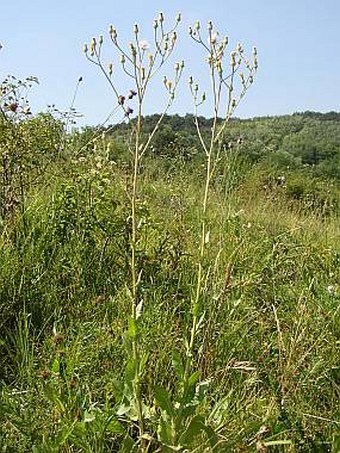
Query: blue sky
298,43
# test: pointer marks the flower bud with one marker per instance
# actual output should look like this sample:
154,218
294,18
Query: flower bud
135,29
121,99
178,18
122,59
132,49
190,80
113,32
155,24
93,45
169,84
190,31
101,40
213,38
161,17
110,69
85,48
233,58
197,25
210,25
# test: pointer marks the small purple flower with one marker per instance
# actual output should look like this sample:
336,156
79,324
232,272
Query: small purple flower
128,111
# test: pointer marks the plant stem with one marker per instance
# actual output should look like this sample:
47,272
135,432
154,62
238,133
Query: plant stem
134,271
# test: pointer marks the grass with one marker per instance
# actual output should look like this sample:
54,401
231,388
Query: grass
268,345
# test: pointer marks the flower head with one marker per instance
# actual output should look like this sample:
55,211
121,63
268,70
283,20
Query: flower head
143,44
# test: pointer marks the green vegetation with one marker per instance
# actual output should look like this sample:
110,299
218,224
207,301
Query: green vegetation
176,294
269,344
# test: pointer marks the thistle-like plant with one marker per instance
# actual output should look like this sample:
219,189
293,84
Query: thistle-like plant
181,422
229,82
140,62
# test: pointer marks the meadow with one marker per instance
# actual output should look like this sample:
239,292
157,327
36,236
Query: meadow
172,297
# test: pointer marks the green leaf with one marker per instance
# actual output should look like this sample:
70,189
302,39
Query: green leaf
55,366
193,379
143,361
164,432
114,426
195,427
133,330
89,417
177,363
163,400
128,445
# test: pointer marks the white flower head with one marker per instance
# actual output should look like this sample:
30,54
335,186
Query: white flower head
213,38
143,44
331,289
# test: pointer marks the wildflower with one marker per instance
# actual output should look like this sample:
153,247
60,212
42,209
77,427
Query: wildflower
143,45
213,38
13,107
128,111
331,289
